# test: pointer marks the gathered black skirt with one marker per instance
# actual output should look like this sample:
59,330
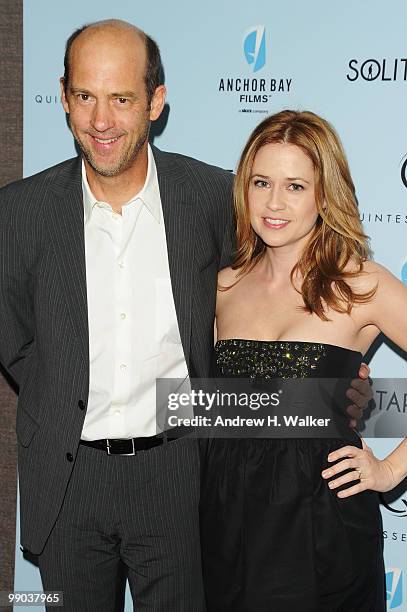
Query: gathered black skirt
275,538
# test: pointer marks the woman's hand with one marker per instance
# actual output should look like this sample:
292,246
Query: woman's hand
368,471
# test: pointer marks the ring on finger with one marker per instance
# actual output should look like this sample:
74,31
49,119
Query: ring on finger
359,471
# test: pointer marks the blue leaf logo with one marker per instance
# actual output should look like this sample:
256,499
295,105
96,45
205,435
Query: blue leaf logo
254,46
394,588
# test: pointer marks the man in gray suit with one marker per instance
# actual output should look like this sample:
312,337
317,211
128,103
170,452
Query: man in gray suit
108,281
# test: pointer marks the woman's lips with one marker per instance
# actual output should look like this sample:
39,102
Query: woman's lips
275,224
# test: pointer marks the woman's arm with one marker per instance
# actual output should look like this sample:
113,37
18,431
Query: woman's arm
389,305
387,312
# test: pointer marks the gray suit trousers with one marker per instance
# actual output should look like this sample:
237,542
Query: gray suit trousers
134,516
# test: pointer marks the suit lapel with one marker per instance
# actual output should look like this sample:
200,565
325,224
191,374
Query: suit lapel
179,210
66,226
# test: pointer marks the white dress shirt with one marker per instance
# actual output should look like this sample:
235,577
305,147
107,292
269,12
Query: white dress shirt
133,330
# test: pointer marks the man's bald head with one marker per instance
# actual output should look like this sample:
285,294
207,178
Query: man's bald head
124,29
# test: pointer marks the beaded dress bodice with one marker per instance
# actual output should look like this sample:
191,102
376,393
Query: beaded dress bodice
283,359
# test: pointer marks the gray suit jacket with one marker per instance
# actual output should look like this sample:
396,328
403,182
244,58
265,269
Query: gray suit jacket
43,309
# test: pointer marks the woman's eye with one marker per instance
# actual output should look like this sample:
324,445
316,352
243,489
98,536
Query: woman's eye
296,187
260,183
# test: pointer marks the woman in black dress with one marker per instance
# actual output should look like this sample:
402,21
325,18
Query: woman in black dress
281,526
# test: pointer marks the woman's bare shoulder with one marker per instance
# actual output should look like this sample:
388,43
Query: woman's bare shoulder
372,267
227,277
366,276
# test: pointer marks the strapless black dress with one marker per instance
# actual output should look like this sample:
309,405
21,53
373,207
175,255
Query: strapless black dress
274,537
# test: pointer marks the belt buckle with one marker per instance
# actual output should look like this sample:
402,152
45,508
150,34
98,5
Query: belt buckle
133,452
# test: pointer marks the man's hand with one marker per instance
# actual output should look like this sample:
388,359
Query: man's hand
360,393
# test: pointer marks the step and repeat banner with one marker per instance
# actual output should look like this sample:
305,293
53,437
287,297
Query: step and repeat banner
229,64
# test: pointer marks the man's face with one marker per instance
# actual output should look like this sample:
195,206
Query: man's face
106,98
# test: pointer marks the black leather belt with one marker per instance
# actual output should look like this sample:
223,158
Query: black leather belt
130,446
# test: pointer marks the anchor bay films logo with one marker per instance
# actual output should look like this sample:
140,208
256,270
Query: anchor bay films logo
394,588
255,88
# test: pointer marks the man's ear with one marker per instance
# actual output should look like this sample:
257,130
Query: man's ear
63,96
157,102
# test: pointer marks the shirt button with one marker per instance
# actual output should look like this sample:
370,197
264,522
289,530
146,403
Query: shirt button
121,264
117,413
123,366
81,405
123,315
69,456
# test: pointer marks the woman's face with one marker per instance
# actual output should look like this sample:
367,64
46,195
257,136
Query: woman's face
282,195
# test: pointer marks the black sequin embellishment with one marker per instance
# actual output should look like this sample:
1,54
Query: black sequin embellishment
268,359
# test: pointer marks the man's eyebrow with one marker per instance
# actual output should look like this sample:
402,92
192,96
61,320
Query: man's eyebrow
124,94
80,90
